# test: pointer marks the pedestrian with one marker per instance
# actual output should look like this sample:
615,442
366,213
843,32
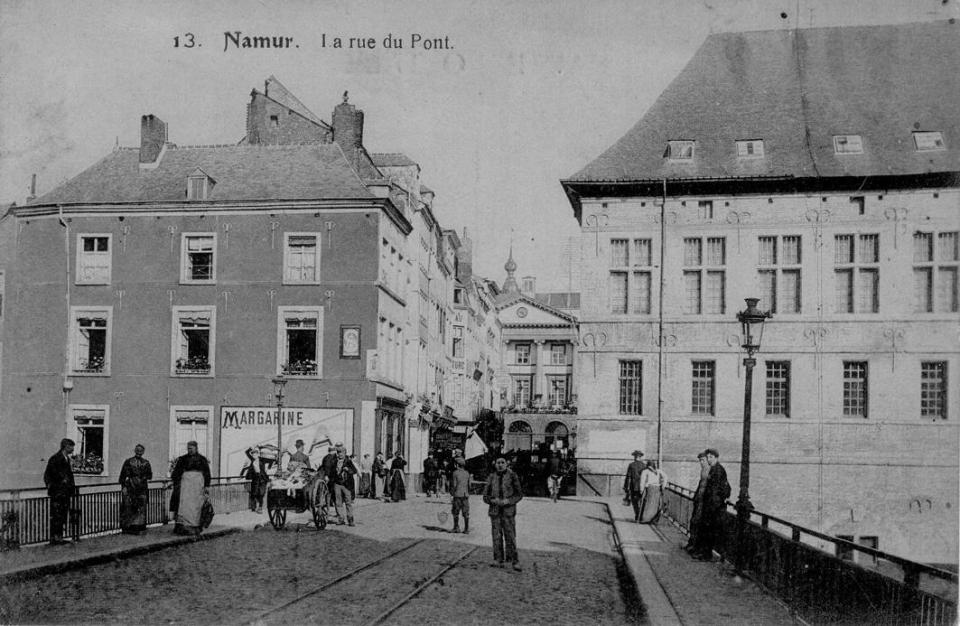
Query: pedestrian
58,477
713,508
460,490
632,490
256,473
366,484
356,475
554,475
298,457
191,480
652,481
694,525
343,485
398,486
379,471
430,475
135,476
502,492
329,465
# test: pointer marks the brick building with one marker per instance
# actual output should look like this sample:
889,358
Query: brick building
817,170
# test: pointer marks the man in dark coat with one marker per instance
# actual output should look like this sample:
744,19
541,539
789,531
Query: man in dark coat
713,507
502,492
343,485
430,475
631,483
58,477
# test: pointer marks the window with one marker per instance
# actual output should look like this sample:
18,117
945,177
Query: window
933,389
631,387
928,140
857,273
458,342
630,276
704,275
844,552
299,341
197,260
557,389
847,144
93,259
868,542
528,284
778,272
705,209
199,185
558,354
522,386
301,258
189,423
778,388
704,384
193,340
679,150
747,148
88,428
275,121
90,342
859,202
523,354
855,388
458,296
935,272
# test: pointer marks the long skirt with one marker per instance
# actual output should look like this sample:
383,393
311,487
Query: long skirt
650,510
191,501
398,489
133,510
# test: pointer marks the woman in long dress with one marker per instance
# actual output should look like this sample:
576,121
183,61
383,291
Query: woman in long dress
651,481
191,478
135,477
398,488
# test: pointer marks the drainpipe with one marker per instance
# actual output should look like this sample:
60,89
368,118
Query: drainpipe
67,381
663,244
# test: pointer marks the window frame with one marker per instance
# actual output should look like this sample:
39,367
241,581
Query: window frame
205,449
286,258
176,314
774,395
516,353
778,268
635,275
73,431
943,399
677,150
919,136
711,410
283,355
554,353
81,254
744,147
936,267
847,140
550,380
847,391
856,268
703,270
75,312
630,387
515,388
185,279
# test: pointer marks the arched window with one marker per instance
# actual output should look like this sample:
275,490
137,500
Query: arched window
519,436
557,431
520,427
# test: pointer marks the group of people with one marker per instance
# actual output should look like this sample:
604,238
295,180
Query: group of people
190,477
709,505
642,487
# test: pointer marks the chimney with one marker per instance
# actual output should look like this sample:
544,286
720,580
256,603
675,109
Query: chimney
529,287
153,136
348,129
33,188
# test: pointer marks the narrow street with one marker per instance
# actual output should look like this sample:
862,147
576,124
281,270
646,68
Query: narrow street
571,570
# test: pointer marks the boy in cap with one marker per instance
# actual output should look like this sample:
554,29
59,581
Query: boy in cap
460,490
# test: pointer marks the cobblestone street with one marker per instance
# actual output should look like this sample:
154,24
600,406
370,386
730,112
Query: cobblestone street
571,570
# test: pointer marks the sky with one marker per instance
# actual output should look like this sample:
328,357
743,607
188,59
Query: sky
514,96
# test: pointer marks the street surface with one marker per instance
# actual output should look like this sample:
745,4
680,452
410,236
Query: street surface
571,574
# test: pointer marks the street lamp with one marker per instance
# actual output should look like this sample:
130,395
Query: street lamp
752,321
278,382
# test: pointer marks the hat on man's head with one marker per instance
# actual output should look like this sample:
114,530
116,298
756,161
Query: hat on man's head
298,443
339,446
460,461
712,451
701,455
637,453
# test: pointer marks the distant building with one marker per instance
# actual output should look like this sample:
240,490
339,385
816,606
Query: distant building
817,170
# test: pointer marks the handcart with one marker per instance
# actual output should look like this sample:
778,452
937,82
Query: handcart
286,494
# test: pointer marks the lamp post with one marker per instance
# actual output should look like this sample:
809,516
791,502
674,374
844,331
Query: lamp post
278,382
751,321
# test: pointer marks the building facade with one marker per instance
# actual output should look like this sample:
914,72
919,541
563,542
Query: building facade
818,171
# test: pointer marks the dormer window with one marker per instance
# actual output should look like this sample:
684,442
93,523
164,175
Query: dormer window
275,121
847,144
750,148
199,185
679,150
928,140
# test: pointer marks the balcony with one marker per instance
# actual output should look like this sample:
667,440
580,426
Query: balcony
306,367
92,365
195,365
568,408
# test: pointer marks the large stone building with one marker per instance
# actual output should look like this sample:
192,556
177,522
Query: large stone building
156,294
817,170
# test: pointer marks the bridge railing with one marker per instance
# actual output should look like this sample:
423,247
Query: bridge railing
95,509
801,566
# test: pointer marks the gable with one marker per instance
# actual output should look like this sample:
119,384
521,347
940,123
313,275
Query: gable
525,312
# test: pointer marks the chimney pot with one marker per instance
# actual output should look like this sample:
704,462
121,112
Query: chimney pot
153,136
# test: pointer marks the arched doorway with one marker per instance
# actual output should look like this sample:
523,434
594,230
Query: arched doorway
519,436
557,431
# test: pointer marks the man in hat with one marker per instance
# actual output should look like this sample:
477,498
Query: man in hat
343,483
300,456
460,490
58,477
695,516
712,509
632,487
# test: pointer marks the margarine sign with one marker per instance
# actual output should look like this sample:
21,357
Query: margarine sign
245,427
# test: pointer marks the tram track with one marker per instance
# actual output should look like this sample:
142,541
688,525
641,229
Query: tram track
276,614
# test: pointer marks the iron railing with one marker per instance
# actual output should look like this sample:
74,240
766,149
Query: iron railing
95,509
797,565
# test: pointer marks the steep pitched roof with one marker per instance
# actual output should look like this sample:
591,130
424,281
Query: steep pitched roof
391,159
795,90
244,172
275,90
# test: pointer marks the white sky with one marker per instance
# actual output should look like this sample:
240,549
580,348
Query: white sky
531,92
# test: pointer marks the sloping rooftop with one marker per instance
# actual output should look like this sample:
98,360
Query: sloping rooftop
796,90
275,90
244,172
391,159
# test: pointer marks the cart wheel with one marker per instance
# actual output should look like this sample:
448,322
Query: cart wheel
278,517
319,517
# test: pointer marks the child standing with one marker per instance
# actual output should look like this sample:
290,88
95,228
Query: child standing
460,490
